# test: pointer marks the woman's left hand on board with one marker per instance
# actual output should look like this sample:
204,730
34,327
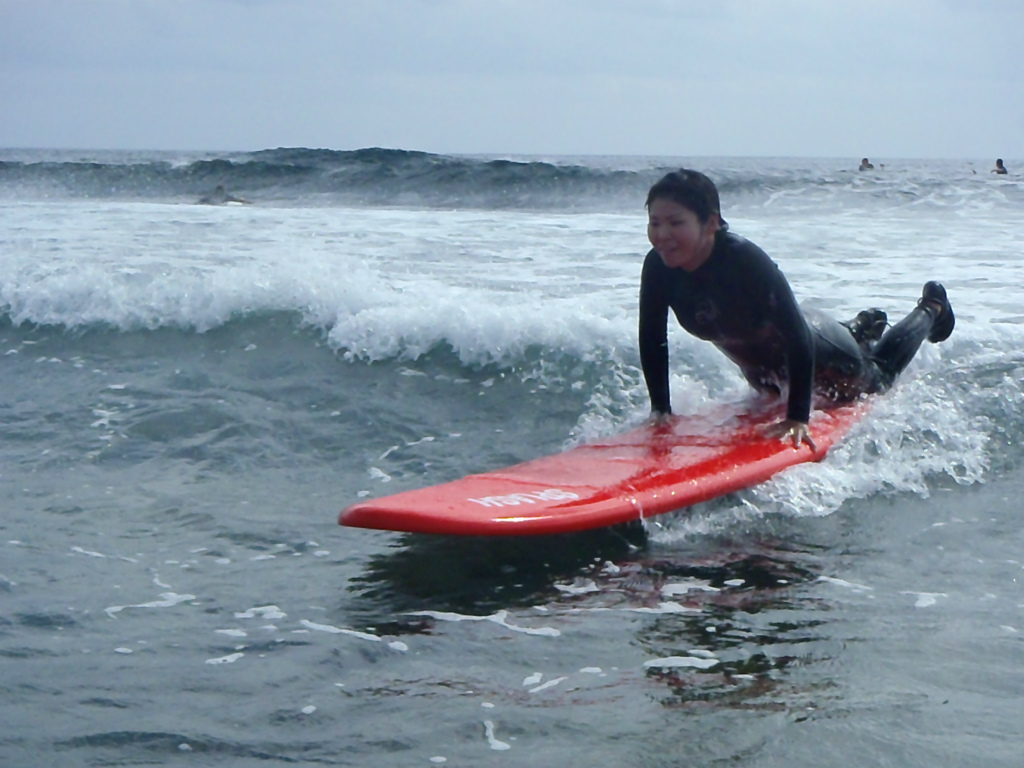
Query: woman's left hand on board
792,431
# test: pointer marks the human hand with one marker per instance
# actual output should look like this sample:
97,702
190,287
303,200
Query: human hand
660,422
790,430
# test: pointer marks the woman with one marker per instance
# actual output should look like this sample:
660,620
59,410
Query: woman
726,290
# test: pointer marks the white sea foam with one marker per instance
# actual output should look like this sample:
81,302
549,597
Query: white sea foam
231,658
493,741
925,599
548,684
167,600
667,607
464,276
339,630
688,585
580,587
90,553
694,662
533,679
500,618
263,612
845,583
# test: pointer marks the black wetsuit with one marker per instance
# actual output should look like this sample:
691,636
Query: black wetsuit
740,301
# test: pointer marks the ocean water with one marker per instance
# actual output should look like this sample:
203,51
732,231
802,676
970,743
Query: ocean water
192,393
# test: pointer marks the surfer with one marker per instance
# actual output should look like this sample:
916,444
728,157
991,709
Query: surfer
220,196
1000,168
726,290
865,165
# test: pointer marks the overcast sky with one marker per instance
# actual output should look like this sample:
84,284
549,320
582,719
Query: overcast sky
810,78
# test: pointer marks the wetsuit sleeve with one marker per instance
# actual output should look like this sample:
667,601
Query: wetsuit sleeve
799,353
654,332
763,279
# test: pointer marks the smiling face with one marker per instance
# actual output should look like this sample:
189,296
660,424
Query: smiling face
678,236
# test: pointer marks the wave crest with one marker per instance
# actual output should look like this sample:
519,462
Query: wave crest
378,176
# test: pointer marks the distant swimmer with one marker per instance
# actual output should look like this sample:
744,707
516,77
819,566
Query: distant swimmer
1000,168
220,196
865,165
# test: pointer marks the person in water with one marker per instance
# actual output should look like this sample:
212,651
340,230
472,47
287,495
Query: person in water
220,196
1000,168
726,290
865,165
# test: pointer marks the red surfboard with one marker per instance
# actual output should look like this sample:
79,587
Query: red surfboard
648,471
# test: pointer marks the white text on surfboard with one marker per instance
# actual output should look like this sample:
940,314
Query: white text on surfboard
533,497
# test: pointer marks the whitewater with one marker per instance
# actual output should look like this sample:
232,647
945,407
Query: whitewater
192,394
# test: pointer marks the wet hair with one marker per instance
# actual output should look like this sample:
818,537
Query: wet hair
690,189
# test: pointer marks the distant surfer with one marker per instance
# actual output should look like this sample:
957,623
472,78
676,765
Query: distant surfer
1000,168
220,196
865,165
726,290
